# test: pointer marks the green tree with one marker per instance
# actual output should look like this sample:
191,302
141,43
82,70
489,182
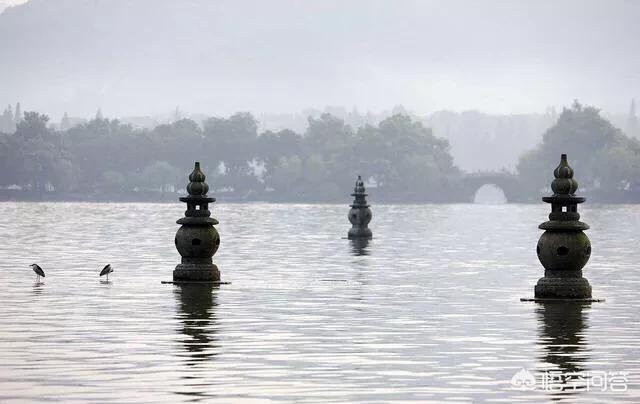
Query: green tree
328,135
102,145
271,146
159,175
404,156
114,181
6,174
287,174
179,143
234,142
602,156
315,169
44,161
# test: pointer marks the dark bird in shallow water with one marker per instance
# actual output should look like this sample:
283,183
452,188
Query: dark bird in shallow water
36,268
106,271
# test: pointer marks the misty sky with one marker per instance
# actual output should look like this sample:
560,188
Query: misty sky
149,56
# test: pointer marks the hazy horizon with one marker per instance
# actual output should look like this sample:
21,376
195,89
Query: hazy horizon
213,58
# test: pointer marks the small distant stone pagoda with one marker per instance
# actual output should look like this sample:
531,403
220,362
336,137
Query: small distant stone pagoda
360,213
197,240
563,249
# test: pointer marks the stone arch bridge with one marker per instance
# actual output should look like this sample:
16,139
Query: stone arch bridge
509,183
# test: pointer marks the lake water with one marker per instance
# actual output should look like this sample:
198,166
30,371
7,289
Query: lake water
429,310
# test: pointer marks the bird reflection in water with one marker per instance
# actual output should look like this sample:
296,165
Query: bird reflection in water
562,327
38,287
196,312
359,246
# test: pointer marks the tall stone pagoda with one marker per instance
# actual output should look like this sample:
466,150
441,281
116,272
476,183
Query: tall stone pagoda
360,214
197,240
563,249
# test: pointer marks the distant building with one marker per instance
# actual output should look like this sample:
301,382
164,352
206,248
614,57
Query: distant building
633,127
7,124
65,123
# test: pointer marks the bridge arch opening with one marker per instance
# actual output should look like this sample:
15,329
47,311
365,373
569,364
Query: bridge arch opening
490,194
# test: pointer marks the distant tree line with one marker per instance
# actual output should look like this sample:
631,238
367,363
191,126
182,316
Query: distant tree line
401,159
105,158
605,160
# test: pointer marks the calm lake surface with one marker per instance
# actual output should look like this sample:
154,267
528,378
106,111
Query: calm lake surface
429,310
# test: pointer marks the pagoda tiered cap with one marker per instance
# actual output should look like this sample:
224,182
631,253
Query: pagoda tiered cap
359,188
564,203
197,187
564,184
197,201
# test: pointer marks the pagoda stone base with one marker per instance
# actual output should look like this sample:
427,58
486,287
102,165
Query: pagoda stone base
197,271
566,286
360,232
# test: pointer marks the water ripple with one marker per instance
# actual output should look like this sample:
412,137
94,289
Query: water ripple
427,311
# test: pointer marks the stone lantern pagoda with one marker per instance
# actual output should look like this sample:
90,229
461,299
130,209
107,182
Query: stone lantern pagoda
197,240
563,249
360,213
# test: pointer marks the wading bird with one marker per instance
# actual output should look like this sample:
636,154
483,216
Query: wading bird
36,268
106,271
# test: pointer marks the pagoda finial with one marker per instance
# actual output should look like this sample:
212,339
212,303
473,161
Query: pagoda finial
359,188
196,185
564,184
